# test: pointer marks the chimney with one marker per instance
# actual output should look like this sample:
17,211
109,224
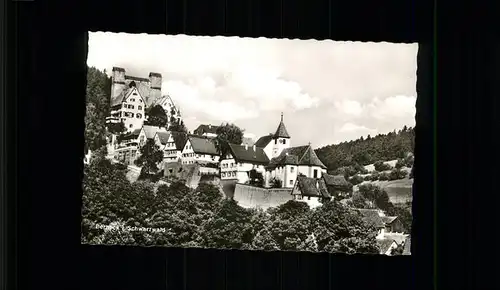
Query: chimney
253,147
246,146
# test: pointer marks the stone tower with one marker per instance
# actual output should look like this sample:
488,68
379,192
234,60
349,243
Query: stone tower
117,81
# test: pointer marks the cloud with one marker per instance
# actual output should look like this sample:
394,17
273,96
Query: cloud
321,86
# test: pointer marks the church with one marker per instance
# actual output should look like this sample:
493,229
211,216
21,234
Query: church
273,156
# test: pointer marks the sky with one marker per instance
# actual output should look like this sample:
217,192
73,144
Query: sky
328,91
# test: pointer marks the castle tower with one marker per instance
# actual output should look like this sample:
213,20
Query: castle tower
117,82
281,139
155,81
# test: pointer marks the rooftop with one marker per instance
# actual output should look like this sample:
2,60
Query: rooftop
264,140
206,129
305,155
249,154
281,132
312,186
203,145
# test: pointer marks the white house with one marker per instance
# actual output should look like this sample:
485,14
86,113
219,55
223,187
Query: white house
287,162
148,132
199,150
241,160
312,191
128,108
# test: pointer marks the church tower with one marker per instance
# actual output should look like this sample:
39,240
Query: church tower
281,139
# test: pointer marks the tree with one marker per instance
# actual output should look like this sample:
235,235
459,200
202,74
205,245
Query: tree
117,128
338,229
400,163
381,166
377,196
150,156
397,174
356,179
157,116
229,228
98,94
227,134
276,183
256,178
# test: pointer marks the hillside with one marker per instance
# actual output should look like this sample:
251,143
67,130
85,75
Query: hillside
365,151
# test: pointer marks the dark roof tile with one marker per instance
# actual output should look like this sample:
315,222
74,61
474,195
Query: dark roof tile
305,156
163,136
264,140
248,154
311,187
180,139
337,181
372,217
203,145
206,129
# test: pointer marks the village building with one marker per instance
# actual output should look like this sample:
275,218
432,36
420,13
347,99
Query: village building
200,150
148,88
386,246
206,130
242,161
386,226
337,186
173,113
129,108
312,191
148,132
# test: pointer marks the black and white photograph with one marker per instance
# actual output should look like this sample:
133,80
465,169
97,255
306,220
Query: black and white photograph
249,143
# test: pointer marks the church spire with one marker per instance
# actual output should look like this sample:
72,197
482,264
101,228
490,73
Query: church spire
281,132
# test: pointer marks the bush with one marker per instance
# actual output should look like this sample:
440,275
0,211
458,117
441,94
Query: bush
367,178
397,174
375,176
360,169
381,166
383,176
356,179
400,163
276,183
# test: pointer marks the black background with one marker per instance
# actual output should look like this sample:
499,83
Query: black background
45,58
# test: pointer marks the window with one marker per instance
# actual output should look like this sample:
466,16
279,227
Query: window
284,141
291,182
223,174
275,141
234,173
138,116
315,173
130,126
170,170
139,107
130,106
135,94
292,169
132,100
308,198
140,100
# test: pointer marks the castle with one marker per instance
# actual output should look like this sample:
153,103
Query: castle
131,96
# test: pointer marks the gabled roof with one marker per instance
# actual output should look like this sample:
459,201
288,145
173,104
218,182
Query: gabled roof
312,187
372,217
385,245
407,246
202,145
389,219
248,154
124,94
163,136
206,129
337,181
281,132
180,139
305,156
150,131
264,140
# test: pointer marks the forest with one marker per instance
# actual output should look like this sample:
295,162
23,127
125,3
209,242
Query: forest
203,217
364,151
